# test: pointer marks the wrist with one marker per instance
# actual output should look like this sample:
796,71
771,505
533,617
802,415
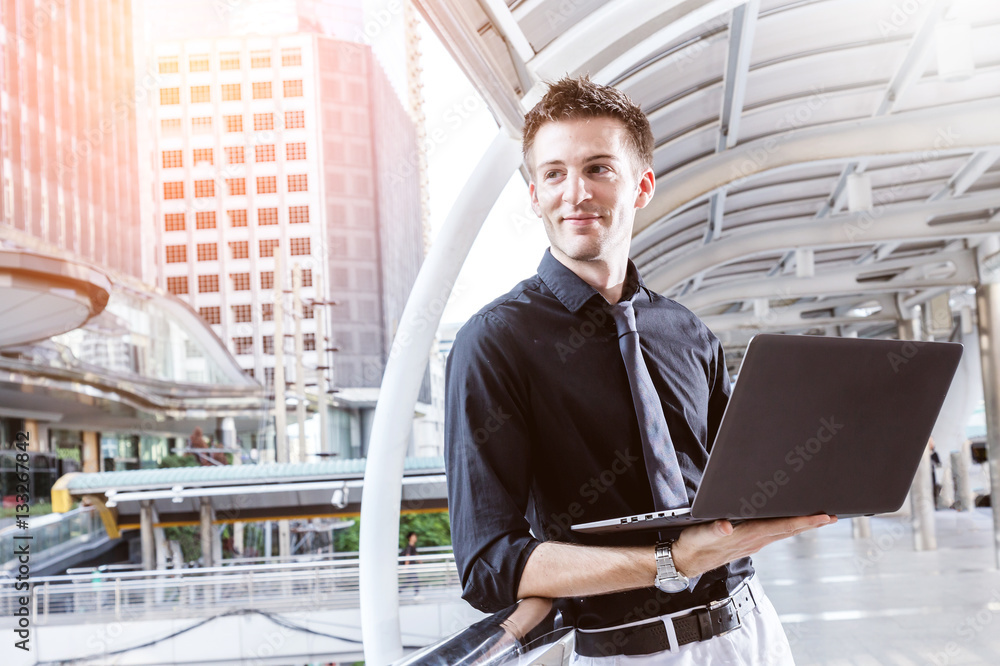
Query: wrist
669,578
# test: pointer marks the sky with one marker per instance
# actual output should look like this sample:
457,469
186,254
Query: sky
512,239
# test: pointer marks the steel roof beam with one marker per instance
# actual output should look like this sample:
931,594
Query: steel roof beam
900,222
937,270
940,130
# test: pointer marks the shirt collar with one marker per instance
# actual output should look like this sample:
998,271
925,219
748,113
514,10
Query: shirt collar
573,292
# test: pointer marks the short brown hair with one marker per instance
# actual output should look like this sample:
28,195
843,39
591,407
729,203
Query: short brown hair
570,98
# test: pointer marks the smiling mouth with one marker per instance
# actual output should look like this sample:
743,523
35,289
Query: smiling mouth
582,220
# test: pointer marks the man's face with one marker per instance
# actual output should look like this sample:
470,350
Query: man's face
585,187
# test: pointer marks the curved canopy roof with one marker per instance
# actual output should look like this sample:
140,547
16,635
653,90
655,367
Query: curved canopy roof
774,121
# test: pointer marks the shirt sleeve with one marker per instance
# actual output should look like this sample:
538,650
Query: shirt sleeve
720,389
488,460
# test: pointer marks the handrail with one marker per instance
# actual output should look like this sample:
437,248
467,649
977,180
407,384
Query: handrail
100,596
52,535
531,628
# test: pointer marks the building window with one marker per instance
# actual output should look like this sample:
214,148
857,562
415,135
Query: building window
267,312
234,155
198,63
298,214
208,284
267,247
237,218
262,90
299,246
241,281
295,119
263,121
243,345
292,88
177,285
267,184
176,254
268,341
210,314
307,277
291,57
307,311
233,123
239,249
298,182
170,126
167,65
174,221
229,60
241,313
263,153
309,342
338,245
204,219
172,159
170,96
204,188
295,151
202,125
173,190
230,92
203,155
267,216
200,94
208,252
236,186
260,59
267,281
269,377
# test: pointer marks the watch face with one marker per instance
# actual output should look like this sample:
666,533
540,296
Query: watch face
672,585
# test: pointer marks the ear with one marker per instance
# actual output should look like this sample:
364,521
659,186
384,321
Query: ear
645,189
534,199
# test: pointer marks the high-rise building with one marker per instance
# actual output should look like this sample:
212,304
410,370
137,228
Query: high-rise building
68,157
292,146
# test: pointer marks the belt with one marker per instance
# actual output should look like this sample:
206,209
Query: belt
669,632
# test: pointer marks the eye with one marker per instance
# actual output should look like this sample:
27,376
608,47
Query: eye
551,174
600,168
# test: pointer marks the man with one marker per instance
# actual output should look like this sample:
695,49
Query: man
542,429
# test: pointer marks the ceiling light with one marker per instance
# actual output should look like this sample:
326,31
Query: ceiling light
859,192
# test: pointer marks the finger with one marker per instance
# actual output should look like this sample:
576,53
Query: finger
723,527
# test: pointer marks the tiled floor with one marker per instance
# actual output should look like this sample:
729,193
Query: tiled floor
879,602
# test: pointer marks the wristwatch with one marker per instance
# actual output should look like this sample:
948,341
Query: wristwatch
668,578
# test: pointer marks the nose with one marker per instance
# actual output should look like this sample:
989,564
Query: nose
575,190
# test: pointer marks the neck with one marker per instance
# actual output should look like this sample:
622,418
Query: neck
606,275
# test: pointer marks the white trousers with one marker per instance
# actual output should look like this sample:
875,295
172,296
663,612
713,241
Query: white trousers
760,641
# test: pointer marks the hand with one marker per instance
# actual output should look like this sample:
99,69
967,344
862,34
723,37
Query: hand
701,548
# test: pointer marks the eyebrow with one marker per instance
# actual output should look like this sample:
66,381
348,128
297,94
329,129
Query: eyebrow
592,158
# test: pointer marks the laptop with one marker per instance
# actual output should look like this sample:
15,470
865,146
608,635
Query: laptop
816,425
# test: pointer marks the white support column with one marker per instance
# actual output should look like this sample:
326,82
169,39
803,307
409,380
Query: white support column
300,368
280,414
206,516
146,538
988,303
922,490
398,396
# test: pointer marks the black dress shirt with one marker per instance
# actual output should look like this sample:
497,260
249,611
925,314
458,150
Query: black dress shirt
541,434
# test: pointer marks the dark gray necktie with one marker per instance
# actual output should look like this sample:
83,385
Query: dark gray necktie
664,473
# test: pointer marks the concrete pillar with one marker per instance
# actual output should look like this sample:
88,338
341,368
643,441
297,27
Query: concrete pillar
91,454
861,527
960,460
946,498
38,435
146,537
230,441
922,497
921,490
207,517
988,304
322,355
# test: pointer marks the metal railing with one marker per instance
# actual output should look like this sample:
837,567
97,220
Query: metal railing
172,593
52,536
